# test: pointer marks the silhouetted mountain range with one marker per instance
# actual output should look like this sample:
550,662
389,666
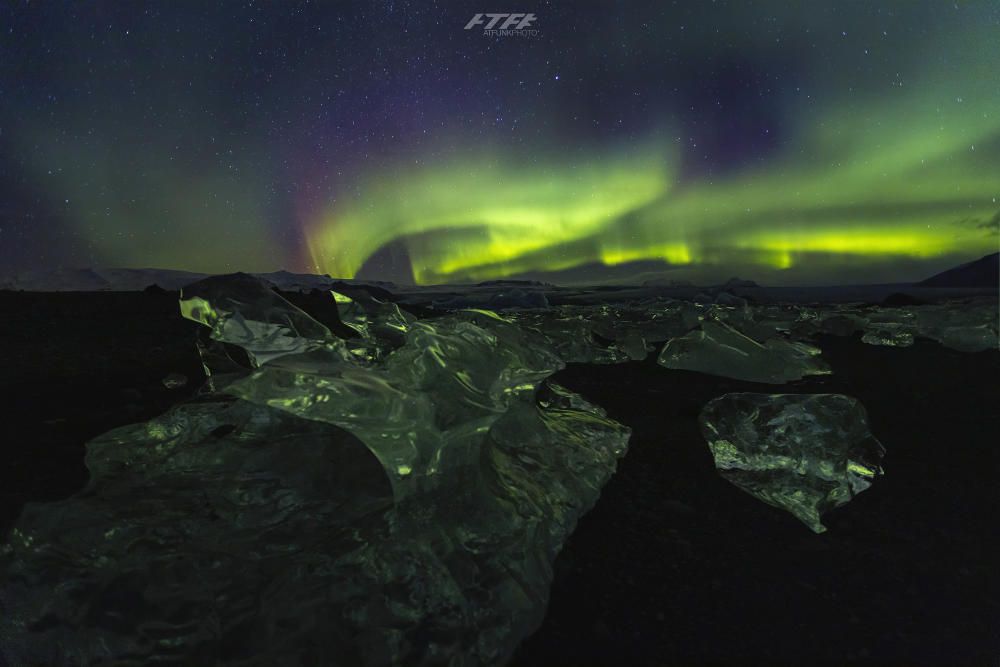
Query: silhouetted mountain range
984,272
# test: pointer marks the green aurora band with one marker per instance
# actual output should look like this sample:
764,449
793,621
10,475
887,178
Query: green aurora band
880,173
889,178
910,180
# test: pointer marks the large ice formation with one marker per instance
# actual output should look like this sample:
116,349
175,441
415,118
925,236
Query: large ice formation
326,505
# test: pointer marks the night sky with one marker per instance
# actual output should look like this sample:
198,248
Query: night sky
788,142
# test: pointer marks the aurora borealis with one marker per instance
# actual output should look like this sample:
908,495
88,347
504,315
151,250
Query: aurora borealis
818,143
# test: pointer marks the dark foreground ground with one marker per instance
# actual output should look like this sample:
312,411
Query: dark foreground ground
674,565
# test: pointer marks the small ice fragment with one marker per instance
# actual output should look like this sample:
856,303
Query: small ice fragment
175,381
888,335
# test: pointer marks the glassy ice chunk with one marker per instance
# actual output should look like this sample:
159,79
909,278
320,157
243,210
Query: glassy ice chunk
968,338
634,345
427,407
718,349
175,380
805,453
228,533
606,334
889,334
402,508
381,326
351,313
967,327
570,332
891,327
243,310
842,323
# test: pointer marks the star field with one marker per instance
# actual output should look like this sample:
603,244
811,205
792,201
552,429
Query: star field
822,142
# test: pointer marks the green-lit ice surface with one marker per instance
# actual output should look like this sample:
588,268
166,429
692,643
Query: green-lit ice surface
370,501
718,349
396,494
805,453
